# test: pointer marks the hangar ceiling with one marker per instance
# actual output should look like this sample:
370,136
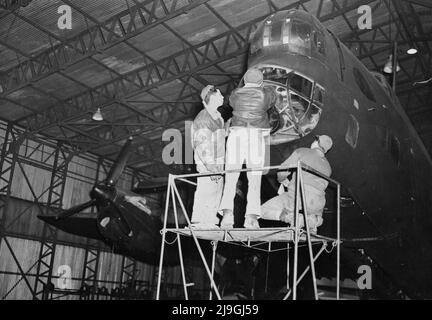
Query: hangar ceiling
144,63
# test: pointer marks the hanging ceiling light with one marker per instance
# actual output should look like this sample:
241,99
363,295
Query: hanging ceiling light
412,51
388,68
97,116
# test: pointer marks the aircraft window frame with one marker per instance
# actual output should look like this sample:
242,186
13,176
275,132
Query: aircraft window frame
352,133
297,122
320,90
295,35
363,85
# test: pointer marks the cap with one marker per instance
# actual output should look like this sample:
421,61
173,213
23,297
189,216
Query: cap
325,142
205,92
254,76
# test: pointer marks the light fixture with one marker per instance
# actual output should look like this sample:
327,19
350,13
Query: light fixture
97,116
412,51
388,68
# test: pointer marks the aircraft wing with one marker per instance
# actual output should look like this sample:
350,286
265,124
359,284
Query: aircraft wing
82,224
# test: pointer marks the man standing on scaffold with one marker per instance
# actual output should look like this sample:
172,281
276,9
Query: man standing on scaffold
247,143
208,141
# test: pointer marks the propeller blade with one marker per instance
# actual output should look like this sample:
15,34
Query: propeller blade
119,164
76,209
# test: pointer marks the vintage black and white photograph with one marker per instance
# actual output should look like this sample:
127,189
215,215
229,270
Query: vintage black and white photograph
215,150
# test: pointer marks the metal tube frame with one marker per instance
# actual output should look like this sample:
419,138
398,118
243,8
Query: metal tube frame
172,192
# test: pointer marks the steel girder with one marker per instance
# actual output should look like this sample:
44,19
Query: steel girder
12,5
143,79
424,3
89,273
49,234
8,160
95,39
171,68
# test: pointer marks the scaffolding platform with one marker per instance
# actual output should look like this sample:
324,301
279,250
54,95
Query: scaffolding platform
249,236
294,236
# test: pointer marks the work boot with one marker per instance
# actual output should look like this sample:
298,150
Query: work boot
251,222
227,220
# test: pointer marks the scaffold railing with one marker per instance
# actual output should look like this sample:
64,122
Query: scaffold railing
254,238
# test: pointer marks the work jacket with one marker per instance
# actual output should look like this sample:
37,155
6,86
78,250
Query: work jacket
208,141
250,105
312,183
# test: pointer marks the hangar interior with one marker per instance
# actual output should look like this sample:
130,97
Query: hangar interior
140,65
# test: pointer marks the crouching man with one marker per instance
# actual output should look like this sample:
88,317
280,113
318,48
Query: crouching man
282,207
208,141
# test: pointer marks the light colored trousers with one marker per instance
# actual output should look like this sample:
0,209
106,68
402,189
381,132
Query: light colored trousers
272,209
208,194
244,145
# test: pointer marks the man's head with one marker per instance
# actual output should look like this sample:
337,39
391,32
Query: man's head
212,98
323,143
254,77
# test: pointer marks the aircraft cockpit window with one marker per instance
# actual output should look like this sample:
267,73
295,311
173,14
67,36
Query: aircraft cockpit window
318,95
292,35
319,42
383,82
301,33
272,33
301,85
299,101
363,85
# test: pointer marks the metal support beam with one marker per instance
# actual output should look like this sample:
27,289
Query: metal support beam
143,79
122,26
12,5
44,272
189,61
89,279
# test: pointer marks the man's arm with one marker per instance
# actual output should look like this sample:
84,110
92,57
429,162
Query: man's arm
204,148
290,162
271,96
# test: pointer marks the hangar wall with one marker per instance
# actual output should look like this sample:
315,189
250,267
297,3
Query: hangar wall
33,180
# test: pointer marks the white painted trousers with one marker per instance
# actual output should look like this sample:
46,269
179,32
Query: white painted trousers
273,208
207,199
244,145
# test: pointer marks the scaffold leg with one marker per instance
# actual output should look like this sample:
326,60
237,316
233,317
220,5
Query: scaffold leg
163,238
288,267
214,247
180,251
324,245
197,244
309,243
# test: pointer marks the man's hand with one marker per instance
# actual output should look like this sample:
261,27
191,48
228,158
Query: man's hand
282,176
214,168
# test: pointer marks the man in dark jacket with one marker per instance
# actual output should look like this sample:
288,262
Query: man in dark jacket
246,143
